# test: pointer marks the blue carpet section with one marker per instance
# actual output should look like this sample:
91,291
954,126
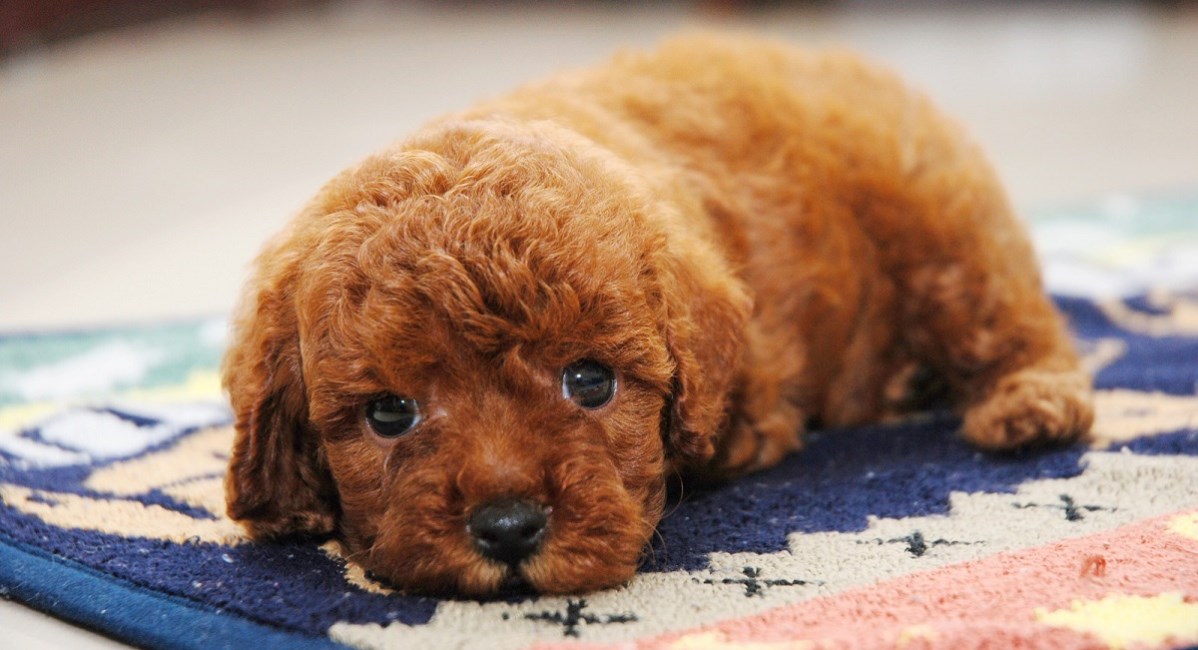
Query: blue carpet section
293,586
1170,444
1167,364
838,481
162,594
94,599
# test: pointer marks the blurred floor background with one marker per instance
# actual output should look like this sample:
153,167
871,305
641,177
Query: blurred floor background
147,149
142,166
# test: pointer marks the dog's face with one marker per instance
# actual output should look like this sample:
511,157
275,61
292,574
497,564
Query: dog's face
476,362
489,396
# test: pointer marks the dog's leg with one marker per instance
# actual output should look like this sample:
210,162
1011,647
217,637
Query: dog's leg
764,423
977,312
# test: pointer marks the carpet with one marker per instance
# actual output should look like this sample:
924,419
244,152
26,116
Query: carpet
113,445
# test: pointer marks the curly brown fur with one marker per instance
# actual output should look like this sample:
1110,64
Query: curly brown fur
754,238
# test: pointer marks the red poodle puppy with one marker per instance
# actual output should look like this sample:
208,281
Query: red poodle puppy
477,356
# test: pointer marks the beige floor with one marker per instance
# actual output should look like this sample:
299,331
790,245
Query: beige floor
140,170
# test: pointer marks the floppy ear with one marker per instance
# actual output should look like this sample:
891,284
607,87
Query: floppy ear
278,482
707,311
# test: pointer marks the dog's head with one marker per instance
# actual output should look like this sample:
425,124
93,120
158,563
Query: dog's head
475,358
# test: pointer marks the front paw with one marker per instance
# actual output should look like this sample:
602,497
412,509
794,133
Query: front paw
1031,407
751,447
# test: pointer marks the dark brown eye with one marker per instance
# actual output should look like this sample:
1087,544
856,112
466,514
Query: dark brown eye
392,416
588,384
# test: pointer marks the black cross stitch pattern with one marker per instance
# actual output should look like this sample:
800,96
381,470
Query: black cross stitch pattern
573,617
1073,511
753,584
917,545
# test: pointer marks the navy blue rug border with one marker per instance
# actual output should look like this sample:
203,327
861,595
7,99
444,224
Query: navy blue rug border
115,608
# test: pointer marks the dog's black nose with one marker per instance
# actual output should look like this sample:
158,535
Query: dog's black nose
508,531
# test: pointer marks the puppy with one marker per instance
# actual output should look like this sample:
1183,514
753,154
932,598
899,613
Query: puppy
477,356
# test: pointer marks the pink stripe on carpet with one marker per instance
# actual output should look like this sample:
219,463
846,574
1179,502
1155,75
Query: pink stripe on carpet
1135,586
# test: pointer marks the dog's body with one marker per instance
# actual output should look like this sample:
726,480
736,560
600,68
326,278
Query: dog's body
747,238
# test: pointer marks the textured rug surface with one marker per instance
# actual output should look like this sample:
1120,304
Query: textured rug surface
113,446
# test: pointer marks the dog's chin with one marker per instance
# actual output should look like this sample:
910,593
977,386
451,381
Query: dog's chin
515,586
500,581
523,581
466,574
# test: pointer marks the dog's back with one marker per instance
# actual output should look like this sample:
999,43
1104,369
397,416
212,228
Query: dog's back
875,238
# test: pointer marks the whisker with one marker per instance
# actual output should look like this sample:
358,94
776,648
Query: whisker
353,557
681,497
649,557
